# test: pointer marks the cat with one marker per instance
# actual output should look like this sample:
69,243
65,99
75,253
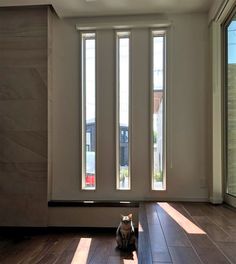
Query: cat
125,235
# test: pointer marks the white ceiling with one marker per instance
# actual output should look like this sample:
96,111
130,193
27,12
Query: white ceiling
73,8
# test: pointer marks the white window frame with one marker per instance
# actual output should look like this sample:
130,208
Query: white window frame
154,33
122,34
83,107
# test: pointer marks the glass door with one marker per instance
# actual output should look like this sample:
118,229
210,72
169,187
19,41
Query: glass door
230,109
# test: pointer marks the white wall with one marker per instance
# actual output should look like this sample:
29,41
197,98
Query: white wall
215,8
188,114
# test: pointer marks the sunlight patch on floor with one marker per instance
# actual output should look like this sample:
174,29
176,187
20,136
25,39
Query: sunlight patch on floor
183,221
131,261
140,227
82,251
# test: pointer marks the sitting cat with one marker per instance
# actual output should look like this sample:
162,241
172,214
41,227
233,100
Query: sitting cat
125,236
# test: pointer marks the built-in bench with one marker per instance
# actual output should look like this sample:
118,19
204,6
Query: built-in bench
104,214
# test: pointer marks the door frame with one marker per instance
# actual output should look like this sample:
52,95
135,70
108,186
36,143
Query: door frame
228,198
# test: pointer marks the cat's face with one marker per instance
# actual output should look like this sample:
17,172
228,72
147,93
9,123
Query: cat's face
126,219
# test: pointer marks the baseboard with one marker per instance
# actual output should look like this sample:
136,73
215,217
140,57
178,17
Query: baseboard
216,200
231,200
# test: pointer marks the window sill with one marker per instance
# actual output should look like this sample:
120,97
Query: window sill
61,203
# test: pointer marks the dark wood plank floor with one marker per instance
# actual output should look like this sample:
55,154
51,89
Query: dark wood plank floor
63,248
179,233
187,233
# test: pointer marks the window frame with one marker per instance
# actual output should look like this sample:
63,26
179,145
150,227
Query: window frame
127,32
154,32
83,109
229,197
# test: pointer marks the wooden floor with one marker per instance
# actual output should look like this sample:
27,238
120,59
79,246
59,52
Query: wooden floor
180,233
186,233
63,248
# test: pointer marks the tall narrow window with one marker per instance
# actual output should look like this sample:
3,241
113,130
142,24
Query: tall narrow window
230,107
123,113
158,110
88,111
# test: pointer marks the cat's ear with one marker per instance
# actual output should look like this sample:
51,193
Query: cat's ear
130,216
121,216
